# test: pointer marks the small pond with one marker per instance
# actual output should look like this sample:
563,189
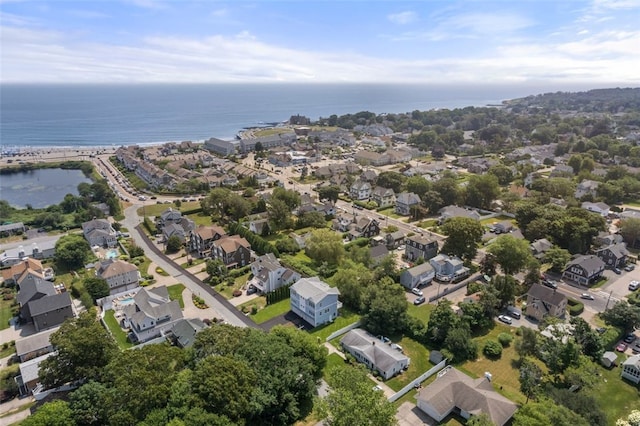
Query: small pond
40,187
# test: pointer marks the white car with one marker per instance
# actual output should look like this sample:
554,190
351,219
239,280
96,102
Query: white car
505,319
417,292
586,296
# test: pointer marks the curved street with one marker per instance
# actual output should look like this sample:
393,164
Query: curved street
223,308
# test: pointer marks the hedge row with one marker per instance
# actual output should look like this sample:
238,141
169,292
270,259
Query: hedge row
278,294
258,244
575,307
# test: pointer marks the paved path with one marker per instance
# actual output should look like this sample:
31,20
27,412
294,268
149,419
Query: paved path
212,299
13,405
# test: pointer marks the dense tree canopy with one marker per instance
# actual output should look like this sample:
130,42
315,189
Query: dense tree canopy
512,254
72,251
463,234
325,245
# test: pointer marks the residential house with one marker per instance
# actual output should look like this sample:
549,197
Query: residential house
167,217
543,301
35,345
12,228
540,247
585,270
448,268
417,276
454,211
182,229
220,147
614,256
454,391
419,246
99,232
202,238
269,274
259,226
233,250
314,301
384,197
121,276
370,158
369,175
374,353
586,187
378,253
11,275
45,248
601,208
630,214
604,238
360,190
29,379
40,302
631,369
363,227
183,332
405,202
151,314
503,227
394,240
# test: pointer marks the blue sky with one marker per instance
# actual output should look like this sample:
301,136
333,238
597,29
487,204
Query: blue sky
518,41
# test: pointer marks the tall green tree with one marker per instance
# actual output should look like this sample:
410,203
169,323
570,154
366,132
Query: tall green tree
482,190
279,215
630,230
173,244
463,234
83,349
622,314
384,307
330,193
89,404
96,287
352,279
558,258
55,413
530,378
72,251
325,245
546,412
512,254
441,321
353,401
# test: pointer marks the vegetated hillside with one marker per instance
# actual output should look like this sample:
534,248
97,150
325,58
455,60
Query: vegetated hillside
598,100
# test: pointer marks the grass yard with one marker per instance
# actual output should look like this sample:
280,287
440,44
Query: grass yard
617,397
157,209
504,369
194,262
333,360
428,223
9,350
422,312
419,363
391,212
200,219
6,310
497,219
345,318
175,293
118,333
271,311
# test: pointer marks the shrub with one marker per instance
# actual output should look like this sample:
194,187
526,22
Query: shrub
474,287
492,349
254,309
575,307
505,339
237,293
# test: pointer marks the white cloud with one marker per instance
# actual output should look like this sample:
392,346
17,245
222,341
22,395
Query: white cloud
403,18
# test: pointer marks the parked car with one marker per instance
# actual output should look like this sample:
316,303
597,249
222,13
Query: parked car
634,285
505,319
629,338
416,291
617,271
621,347
550,283
252,289
629,268
601,330
586,296
153,197
514,312
419,300
377,388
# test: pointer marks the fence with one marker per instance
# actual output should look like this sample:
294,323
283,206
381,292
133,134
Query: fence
450,289
424,376
342,331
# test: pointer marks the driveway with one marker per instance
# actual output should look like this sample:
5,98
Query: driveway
409,414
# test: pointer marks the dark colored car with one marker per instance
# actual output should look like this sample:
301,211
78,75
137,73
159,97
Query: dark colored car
550,283
617,271
629,338
629,268
252,289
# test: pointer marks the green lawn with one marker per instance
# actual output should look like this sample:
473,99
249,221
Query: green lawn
157,209
194,262
504,370
200,219
272,311
175,293
497,219
333,360
118,333
617,397
420,363
345,318
10,350
422,312
6,310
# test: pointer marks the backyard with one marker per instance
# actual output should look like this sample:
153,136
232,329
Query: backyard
345,318
118,333
6,310
271,311
420,363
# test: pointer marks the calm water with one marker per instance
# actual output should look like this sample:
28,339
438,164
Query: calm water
41,187
106,115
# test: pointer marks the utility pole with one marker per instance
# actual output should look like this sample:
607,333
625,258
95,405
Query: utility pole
607,307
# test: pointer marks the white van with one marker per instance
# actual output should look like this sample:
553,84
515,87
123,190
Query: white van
514,312
634,285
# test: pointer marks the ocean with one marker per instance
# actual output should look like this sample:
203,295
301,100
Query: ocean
114,115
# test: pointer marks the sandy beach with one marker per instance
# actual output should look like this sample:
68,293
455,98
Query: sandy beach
48,154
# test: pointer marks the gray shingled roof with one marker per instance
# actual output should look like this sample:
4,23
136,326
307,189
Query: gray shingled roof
590,263
416,271
34,342
32,285
49,303
455,389
313,289
546,294
380,355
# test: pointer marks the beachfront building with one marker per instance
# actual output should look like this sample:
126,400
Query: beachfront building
220,147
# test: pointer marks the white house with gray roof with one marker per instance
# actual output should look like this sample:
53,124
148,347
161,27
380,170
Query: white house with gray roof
417,276
374,353
151,314
314,301
631,369
269,274
99,232
121,276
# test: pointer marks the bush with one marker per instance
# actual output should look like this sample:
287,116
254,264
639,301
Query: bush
575,307
492,349
505,339
254,309
237,293
474,287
